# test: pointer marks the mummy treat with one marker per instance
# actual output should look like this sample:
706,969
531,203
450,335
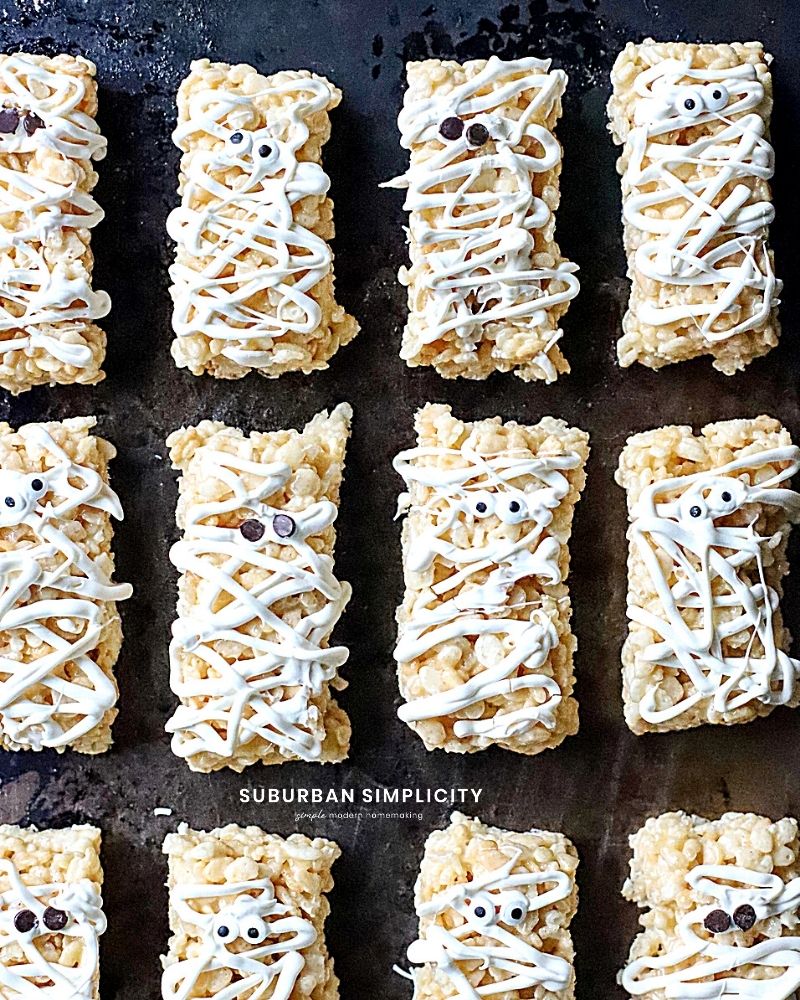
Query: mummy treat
253,273
487,285
247,914
51,915
485,649
59,628
48,140
693,121
722,903
258,598
710,519
494,911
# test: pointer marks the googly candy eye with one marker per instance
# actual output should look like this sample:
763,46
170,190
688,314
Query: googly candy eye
240,141
226,928
689,102
451,128
254,930
693,508
37,486
481,504
515,909
725,498
481,908
512,509
715,96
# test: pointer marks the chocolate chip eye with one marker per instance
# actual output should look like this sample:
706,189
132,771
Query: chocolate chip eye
31,123
744,917
55,920
726,497
223,931
9,120
252,529
25,921
283,525
451,128
695,511
264,150
10,502
477,134
717,922
236,138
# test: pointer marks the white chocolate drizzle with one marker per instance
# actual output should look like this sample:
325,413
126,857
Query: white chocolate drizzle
700,954
53,598
479,238
249,915
242,193
40,975
488,923
686,537
39,285
478,487
718,242
265,691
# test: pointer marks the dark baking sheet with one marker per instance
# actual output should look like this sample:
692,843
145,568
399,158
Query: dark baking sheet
598,786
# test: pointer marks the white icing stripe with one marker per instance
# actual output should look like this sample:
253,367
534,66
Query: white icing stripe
265,692
718,240
41,975
480,486
53,598
702,964
484,924
479,240
40,211
248,917
714,567
241,191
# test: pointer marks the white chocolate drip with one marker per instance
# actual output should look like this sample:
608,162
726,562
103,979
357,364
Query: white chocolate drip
43,208
700,954
53,598
246,184
247,914
485,923
266,691
479,487
700,247
37,977
686,536
478,252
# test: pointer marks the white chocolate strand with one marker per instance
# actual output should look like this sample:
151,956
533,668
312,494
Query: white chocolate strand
701,954
265,692
52,597
248,914
708,560
481,486
700,247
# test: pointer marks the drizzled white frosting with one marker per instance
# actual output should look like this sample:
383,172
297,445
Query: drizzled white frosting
479,237
53,598
39,286
247,913
712,177
458,606
707,955
38,978
242,186
266,691
493,929
682,536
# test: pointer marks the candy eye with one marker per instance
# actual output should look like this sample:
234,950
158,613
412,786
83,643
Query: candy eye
25,921
481,504
37,486
477,135
264,150
717,922
515,910
10,502
283,525
693,508
240,141
451,129
715,96
512,510
689,102
55,920
226,928
254,931
481,908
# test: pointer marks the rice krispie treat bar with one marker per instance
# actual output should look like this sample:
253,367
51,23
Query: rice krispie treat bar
485,649
253,272
60,633
693,123
710,519
721,915
247,912
257,597
487,285
48,140
494,911
51,913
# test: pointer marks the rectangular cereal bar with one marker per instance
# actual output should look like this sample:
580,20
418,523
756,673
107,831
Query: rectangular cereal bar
247,913
48,140
487,285
710,519
252,282
51,913
494,911
696,162
60,633
258,598
722,900
484,648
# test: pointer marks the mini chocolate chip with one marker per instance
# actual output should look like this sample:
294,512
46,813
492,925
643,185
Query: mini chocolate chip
11,502
55,920
252,529
31,123
717,922
25,921
695,511
236,138
726,497
283,525
9,119
689,104
37,484
451,128
264,150
252,932
223,931
477,134
480,912
480,507
744,917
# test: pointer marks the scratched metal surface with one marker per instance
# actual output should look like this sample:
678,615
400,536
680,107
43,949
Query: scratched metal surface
598,786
